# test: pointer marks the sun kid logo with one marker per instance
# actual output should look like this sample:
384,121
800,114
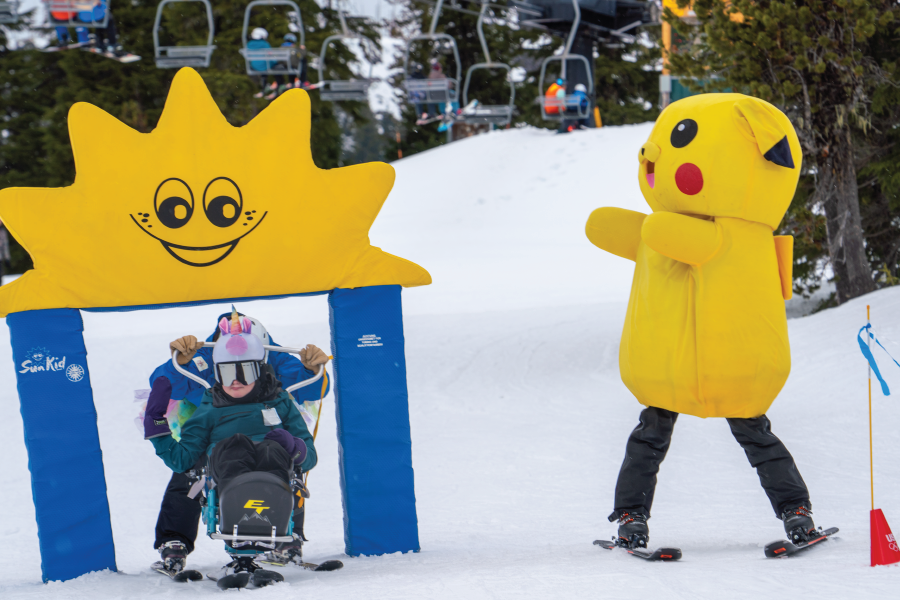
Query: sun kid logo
38,360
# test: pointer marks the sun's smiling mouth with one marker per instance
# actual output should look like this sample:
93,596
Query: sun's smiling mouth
200,256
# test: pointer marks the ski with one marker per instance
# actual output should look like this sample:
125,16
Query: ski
179,576
783,548
123,58
66,47
328,565
660,554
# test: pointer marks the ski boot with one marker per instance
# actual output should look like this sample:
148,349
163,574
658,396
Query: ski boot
798,523
286,553
633,530
243,571
172,556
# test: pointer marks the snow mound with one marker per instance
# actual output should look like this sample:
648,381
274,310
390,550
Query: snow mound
519,418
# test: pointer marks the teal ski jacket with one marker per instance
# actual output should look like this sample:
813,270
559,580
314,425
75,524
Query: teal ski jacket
219,416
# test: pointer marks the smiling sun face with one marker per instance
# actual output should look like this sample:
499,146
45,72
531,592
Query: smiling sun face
198,210
174,208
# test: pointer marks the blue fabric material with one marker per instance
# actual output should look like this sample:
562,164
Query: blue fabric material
864,348
64,457
288,369
375,449
259,65
581,97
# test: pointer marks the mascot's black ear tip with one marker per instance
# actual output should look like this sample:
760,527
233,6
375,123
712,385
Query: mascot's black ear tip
780,154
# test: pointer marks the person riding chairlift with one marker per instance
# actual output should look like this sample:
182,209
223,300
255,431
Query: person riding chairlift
577,105
556,90
104,38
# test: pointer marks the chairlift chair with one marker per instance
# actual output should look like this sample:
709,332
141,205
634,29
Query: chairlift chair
337,90
500,114
433,91
9,12
276,61
93,14
175,57
568,107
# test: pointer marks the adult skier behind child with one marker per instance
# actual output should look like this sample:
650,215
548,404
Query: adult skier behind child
706,333
223,428
179,514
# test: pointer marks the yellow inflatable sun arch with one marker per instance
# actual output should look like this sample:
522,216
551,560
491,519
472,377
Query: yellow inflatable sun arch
195,212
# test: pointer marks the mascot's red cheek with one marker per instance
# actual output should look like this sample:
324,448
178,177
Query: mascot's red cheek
689,179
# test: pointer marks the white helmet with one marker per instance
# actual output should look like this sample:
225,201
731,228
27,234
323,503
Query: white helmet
259,330
259,34
580,88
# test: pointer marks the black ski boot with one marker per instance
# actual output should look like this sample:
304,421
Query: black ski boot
173,556
243,571
286,553
798,523
633,530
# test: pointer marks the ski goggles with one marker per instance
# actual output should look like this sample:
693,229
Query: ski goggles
246,372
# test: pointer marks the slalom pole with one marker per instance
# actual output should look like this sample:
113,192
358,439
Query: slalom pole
871,454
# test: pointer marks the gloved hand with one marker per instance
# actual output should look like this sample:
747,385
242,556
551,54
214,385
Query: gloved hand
295,447
187,346
312,357
155,423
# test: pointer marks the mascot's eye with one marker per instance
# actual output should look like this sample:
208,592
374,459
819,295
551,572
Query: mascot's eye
684,133
172,208
222,202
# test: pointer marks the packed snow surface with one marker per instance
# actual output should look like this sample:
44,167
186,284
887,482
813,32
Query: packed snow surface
519,418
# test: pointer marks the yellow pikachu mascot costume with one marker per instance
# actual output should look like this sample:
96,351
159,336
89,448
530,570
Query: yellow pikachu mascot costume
706,333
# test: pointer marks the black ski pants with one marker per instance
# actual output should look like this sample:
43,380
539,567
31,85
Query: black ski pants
179,515
648,443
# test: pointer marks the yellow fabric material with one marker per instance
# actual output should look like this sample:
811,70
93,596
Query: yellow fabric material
264,220
682,238
705,332
615,230
784,249
737,180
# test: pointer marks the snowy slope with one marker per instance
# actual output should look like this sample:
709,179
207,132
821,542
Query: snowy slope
519,418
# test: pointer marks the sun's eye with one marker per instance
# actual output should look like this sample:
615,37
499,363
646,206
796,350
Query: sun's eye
174,203
222,201
684,133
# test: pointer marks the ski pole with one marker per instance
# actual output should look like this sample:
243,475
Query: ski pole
871,454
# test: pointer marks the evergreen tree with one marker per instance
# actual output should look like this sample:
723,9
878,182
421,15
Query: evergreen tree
37,89
626,79
625,76
522,48
816,60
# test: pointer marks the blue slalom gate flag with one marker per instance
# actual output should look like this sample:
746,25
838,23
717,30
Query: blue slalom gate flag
864,347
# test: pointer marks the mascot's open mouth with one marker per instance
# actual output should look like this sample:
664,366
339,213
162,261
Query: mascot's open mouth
651,175
200,256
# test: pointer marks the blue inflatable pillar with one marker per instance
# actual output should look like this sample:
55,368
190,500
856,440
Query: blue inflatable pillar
63,444
372,401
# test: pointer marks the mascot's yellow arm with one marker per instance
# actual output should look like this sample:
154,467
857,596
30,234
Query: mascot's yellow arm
616,230
685,239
